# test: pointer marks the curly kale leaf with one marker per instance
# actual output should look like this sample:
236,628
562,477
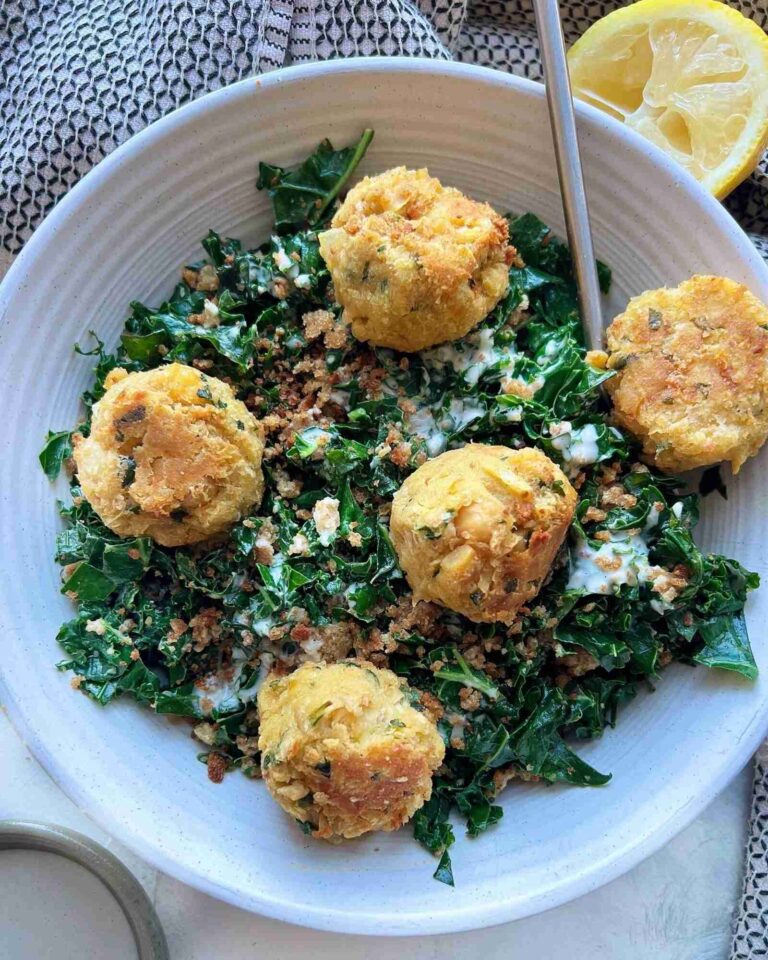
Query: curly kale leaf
540,249
708,622
303,195
515,724
540,749
102,661
171,327
58,447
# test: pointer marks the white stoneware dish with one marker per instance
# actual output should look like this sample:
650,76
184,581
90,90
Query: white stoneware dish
122,234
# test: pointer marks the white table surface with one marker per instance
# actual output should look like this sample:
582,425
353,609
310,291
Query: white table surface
677,905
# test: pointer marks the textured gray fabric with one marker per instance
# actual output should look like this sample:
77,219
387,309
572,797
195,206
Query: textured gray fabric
751,934
78,77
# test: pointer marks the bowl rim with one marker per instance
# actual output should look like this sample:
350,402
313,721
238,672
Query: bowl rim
455,918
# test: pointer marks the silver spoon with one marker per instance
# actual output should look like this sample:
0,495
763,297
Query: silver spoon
563,123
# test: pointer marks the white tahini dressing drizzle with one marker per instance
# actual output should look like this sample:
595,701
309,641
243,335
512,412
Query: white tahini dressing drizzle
460,413
422,422
578,447
478,354
622,559
435,426
262,627
215,693
289,267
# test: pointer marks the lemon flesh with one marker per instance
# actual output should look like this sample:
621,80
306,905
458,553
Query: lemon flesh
689,75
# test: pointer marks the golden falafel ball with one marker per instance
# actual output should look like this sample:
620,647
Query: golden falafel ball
477,529
342,749
692,373
172,455
415,263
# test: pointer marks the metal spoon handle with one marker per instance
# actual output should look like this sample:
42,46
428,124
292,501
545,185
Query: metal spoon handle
563,123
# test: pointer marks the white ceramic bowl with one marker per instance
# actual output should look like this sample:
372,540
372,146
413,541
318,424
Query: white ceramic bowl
122,234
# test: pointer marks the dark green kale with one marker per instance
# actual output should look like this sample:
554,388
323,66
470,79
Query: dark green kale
303,196
58,447
192,631
542,250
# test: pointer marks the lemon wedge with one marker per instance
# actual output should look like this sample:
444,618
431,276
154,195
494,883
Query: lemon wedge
689,75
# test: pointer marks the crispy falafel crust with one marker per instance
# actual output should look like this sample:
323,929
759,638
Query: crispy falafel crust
415,263
692,373
343,750
477,529
171,455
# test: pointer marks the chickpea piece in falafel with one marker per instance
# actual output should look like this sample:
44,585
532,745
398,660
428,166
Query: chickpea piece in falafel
415,263
171,454
691,378
477,529
343,750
